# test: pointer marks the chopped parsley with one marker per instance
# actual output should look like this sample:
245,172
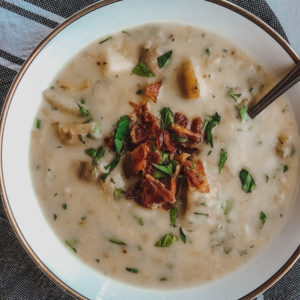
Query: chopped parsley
208,126
230,93
110,166
266,178
168,169
163,278
81,139
263,218
243,113
142,70
164,158
132,270
159,174
207,51
71,244
223,158
64,206
83,218
84,112
166,240
112,181
116,241
96,154
139,92
105,40
167,118
209,153
173,216
285,168
97,260
118,193
181,139
182,235
227,206
164,59
121,133
248,183
54,217
140,221
200,214
38,124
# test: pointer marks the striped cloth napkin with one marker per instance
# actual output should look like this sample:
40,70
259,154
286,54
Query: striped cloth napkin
23,24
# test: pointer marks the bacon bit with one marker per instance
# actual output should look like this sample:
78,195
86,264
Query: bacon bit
196,126
173,184
159,137
181,119
152,157
135,161
168,142
155,194
196,175
184,132
137,134
109,142
232,52
152,90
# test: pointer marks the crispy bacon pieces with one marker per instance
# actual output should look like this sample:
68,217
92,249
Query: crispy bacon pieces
159,156
194,171
135,161
152,90
155,194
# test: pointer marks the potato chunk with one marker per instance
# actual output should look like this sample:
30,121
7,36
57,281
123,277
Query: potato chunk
69,133
86,171
188,81
61,101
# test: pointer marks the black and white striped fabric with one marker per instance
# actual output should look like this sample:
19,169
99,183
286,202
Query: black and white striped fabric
23,24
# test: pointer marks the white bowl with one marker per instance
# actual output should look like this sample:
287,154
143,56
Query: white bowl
25,97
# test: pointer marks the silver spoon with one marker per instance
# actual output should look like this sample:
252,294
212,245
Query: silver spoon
282,86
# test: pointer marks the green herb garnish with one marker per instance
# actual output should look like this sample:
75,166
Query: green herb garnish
182,235
166,240
83,218
163,278
81,139
207,51
164,59
223,158
140,221
209,153
266,178
54,217
181,139
173,216
230,93
64,206
168,169
132,270
164,158
243,113
167,118
159,174
227,206
97,260
139,92
142,70
262,218
208,127
200,214
71,244
95,154
105,40
116,241
121,133
118,192
84,112
112,164
38,124
247,181
285,168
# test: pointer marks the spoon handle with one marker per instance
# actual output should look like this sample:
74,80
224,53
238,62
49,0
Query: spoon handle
287,82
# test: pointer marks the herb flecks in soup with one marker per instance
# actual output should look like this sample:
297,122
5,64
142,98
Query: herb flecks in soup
147,165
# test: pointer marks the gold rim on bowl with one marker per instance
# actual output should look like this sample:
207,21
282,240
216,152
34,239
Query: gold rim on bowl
14,86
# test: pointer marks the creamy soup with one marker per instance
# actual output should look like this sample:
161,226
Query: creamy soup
147,165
